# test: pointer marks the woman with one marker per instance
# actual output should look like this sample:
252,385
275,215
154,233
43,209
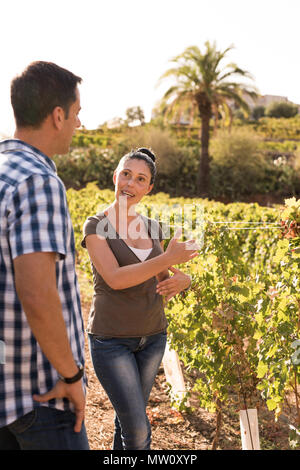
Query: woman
127,325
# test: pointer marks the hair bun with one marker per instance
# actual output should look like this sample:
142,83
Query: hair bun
147,152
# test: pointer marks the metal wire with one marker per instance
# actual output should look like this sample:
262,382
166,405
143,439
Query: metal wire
256,223
256,228
268,227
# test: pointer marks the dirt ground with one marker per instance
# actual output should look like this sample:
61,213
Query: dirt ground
173,430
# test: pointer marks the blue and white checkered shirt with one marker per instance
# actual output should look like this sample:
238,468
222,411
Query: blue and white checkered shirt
34,217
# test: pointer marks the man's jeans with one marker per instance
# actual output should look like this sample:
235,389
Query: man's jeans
126,369
44,428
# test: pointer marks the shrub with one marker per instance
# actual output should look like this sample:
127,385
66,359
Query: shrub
161,142
176,164
258,112
241,167
81,166
281,109
238,165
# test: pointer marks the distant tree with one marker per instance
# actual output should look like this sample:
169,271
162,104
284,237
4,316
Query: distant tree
200,81
279,109
258,112
115,123
238,114
135,114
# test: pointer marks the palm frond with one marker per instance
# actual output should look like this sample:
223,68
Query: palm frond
199,74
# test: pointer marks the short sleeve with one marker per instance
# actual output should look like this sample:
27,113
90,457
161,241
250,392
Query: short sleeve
38,217
89,228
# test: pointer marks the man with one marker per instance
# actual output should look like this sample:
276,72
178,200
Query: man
42,396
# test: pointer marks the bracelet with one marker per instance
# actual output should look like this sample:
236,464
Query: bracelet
76,377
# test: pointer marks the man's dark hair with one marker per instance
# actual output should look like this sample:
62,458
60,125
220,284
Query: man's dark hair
39,89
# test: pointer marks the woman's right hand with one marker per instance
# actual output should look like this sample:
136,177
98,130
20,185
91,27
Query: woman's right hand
181,252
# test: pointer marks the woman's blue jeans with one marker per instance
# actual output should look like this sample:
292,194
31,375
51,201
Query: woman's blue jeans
126,369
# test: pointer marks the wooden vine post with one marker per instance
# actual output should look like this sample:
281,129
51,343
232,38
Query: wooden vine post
249,429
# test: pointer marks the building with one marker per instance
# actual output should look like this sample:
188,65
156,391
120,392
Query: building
266,100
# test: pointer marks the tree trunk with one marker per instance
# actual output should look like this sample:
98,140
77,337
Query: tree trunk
218,425
205,111
203,172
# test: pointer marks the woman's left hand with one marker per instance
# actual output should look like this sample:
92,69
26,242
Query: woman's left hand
173,285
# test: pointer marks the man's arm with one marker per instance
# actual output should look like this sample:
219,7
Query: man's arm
35,281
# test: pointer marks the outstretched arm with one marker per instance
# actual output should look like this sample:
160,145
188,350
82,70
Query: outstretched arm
127,276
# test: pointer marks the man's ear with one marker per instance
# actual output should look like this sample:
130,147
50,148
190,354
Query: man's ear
115,177
58,117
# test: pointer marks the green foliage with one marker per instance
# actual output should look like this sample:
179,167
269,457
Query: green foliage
238,166
88,139
243,164
81,166
278,147
234,173
176,162
176,165
258,112
238,324
277,128
282,109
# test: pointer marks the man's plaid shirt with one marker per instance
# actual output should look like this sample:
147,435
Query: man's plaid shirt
34,217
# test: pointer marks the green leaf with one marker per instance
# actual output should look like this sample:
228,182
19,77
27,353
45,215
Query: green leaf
260,319
258,335
271,404
262,369
272,351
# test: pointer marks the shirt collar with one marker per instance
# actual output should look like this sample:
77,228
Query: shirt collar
12,145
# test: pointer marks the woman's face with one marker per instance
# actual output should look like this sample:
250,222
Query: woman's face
132,181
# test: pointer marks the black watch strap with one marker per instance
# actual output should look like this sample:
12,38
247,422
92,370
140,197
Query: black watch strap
76,377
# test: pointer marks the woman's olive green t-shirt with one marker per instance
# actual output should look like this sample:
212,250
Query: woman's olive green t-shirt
131,312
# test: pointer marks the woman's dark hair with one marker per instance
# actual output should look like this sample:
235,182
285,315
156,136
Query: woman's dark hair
39,89
143,154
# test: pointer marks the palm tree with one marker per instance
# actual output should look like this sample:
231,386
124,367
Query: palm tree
202,83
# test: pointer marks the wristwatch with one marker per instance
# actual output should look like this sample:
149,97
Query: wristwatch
76,377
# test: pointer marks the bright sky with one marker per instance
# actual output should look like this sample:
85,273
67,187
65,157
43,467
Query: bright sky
121,47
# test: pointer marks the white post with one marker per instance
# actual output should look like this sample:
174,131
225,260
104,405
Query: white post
173,372
249,441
